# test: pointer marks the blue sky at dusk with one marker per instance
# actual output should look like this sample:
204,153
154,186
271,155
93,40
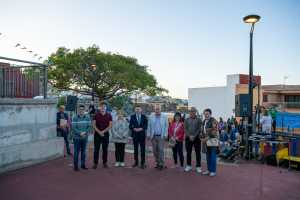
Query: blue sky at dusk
191,43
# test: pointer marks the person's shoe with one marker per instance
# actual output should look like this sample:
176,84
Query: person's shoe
198,170
174,166
143,166
188,168
84,167
95,166
135,165
156,166
212,174
122,164
105,165
181,168
76,169
117,164
205,173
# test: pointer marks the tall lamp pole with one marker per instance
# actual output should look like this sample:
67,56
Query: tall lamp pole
94,67
250,19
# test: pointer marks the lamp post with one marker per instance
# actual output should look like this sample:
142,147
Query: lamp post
250,19
94,67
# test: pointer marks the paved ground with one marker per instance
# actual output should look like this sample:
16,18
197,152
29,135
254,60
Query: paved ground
56,180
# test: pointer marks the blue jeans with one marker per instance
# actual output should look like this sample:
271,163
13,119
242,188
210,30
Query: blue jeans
211,158
79,146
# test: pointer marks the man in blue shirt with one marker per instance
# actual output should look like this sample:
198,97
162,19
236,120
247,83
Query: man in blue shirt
81,126
158,132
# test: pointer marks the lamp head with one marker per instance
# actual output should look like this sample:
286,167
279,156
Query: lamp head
94,66
251,19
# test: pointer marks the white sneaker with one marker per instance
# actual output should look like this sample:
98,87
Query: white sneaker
117,164
212,174
122,164
206,173
188,168
198,170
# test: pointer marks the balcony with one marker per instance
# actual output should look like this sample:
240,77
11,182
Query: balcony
282,105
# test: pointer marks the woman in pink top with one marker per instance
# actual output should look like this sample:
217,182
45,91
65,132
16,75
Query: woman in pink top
176,132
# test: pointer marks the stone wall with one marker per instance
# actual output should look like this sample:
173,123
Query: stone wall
28,132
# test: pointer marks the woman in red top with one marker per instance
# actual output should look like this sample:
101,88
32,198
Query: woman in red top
176,131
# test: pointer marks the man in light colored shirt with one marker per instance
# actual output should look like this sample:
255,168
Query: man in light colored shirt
158,132
266,123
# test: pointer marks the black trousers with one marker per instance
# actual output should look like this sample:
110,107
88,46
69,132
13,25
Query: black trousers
139,140
120,152
65,134
98,140
274,126
178,150
196,143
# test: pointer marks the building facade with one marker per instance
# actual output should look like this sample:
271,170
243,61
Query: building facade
285,98
222,99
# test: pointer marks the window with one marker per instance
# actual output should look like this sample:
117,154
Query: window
292,101
265,98
292,98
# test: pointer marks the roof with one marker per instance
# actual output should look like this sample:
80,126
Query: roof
281,87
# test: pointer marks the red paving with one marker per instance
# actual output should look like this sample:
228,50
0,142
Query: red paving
55,180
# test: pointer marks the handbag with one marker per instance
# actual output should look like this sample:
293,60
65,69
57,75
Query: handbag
172,142
212,142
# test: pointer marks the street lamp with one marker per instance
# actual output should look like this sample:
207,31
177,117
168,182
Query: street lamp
250,19
94,67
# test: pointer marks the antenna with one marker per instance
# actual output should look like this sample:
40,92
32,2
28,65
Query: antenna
285,77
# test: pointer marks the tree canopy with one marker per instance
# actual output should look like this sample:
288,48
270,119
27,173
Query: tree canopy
107,74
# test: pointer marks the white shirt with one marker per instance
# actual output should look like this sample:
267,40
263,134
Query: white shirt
266,124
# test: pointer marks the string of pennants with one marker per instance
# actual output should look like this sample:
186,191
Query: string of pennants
24,48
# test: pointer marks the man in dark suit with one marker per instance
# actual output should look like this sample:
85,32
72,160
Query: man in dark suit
138,125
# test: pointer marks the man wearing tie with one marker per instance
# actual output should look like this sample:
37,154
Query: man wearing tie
138,125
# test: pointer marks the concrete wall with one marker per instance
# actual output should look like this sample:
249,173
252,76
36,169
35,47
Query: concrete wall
27,133
210,97
220,99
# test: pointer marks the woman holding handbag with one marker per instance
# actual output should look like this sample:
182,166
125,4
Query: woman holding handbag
210,142
176,137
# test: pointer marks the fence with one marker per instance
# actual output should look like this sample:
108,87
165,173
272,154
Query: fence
288,122
18,81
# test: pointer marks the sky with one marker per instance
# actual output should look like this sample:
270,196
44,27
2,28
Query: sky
186,44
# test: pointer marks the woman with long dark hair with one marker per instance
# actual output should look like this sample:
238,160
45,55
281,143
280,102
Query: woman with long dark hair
176,137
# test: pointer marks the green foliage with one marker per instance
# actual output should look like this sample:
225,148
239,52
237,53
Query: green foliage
114,74
61,101
31,73
119,101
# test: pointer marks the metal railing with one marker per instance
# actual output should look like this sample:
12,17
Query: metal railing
22,81
284,104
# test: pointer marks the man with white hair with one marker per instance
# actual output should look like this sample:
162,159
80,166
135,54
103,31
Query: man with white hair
192,129
158,132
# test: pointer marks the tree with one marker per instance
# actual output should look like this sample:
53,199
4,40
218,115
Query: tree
122,102
91,71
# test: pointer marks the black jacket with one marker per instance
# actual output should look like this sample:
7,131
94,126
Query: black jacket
134,124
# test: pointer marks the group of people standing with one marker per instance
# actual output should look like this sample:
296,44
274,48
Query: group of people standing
195,133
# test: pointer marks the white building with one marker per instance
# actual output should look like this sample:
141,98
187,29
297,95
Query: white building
220,99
